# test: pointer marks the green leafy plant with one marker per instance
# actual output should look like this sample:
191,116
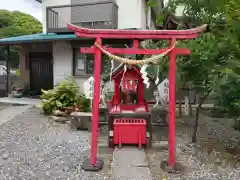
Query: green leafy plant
83,102
65,95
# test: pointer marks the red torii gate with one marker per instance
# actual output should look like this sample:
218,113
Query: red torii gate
135,35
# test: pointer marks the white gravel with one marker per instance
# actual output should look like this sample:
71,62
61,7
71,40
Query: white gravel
34,148
201,165
207,160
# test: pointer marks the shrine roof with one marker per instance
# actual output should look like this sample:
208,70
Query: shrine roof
120,67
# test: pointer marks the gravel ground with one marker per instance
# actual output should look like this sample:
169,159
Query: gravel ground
32,147
208,159
198,164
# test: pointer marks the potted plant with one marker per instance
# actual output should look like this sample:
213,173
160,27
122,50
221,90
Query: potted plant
19,88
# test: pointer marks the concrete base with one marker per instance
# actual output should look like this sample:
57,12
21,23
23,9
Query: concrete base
177,168
130,163
10,112
87,165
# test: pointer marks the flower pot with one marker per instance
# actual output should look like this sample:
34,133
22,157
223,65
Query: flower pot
17,94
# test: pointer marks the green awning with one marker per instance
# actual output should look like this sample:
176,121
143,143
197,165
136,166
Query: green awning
38,37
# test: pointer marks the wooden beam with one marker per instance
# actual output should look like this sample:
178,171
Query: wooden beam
91,50
136,36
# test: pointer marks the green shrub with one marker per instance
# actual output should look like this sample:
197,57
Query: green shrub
64,95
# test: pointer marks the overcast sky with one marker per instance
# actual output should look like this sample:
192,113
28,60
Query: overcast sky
31,7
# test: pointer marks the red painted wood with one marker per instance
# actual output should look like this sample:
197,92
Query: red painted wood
129,131
117,93
91,50
135,43
172,106
141,92
137,34
96,101
128,107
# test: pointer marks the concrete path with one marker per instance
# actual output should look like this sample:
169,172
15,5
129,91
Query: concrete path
24,101
129,163
10,112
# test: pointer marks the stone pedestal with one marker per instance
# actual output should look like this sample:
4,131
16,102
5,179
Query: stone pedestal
81,121
159,114
88,166
176,169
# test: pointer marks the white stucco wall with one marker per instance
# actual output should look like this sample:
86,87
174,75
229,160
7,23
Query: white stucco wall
80,81
62,20
62,63
131,14
62,60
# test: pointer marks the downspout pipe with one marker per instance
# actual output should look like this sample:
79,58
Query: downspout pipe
8,68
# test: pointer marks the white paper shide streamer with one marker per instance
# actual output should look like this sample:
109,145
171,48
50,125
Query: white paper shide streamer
157,79
144,75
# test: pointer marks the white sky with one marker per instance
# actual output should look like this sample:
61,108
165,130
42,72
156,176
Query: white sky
31,7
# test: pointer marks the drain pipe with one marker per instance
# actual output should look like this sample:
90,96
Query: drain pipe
8,68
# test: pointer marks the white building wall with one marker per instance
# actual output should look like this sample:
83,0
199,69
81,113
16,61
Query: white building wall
144,10
130,14
63,63
62,60
81,80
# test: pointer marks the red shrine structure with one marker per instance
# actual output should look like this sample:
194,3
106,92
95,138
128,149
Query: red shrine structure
125,118
128,82
135,35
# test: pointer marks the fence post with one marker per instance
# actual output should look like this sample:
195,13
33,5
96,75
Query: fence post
186,106
190,108
180,108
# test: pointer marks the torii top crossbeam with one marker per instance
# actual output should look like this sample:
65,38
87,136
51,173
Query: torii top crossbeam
137,34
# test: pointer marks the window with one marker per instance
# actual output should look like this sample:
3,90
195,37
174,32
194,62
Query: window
84,63
97,24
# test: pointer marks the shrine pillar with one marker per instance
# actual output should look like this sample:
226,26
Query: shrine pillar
96,101
172,105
